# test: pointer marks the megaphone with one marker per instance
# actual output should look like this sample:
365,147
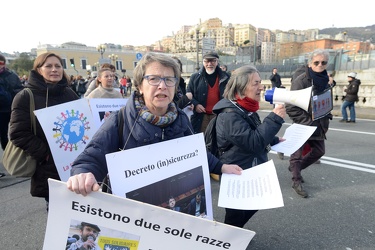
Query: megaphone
300,98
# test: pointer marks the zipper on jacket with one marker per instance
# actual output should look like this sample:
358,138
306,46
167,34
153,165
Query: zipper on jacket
162,134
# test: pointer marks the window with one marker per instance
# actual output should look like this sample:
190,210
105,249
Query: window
84,63
64,63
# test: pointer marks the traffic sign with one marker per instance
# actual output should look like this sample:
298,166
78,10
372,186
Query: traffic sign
138,56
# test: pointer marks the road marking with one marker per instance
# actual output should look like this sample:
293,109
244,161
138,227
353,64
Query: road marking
364,167
341,130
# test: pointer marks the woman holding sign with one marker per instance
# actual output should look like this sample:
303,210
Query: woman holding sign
150,116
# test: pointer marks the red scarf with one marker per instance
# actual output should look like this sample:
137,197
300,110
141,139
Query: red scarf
247,103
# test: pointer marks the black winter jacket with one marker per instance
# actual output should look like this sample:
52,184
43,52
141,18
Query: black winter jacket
300,116
198,86
352,90
45,95
243,138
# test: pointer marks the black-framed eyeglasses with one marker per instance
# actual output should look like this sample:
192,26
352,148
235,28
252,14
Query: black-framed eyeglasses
322,62
156,80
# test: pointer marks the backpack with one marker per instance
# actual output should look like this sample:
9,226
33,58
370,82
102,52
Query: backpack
210,136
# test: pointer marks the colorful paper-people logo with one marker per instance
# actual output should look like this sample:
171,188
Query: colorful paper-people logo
70,130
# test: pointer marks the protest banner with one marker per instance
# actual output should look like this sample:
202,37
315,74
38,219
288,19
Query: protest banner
132,225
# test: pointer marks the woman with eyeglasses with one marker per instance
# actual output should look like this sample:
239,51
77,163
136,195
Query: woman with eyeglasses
315,75
150,116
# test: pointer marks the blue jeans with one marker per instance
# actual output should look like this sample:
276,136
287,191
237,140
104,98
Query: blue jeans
349,105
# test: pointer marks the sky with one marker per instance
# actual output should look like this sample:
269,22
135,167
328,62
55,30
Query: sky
135,22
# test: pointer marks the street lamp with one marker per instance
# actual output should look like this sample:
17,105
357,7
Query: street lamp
197,30
101,49
113,58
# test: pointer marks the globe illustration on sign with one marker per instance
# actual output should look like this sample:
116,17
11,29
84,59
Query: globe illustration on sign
70,130
73,130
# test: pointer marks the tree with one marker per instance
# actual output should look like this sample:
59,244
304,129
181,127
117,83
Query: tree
22,65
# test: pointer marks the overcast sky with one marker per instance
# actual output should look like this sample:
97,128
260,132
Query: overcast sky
25,24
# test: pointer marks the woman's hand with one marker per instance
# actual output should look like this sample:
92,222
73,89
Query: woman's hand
83,183
231,169
280,110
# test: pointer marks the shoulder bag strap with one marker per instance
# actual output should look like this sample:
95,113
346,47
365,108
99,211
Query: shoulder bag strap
32,108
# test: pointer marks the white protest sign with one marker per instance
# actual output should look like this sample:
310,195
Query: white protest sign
155,172
101,108
68,128
132,225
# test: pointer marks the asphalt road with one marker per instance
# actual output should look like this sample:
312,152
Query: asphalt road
339,213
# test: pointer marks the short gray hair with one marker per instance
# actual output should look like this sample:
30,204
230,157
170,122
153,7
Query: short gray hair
165,60
238,82
318,52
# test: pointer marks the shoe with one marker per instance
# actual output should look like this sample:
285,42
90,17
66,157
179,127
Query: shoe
350,121
215,177
2,175
290,170
280,155
343,120
297,186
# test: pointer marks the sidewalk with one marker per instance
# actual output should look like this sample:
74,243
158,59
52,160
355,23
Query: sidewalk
362,113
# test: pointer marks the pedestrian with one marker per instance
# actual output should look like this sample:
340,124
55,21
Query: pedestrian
105,89
10,85
151,116
180,97
350,98
129,84
49,83
315,75
241,136
225,69
123,86
275,79
205,89
94,83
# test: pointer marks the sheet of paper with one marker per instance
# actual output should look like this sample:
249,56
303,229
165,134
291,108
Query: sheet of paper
155,172
295,136
128,224
256,188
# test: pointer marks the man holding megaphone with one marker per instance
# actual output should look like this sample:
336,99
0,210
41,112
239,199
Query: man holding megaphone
315,81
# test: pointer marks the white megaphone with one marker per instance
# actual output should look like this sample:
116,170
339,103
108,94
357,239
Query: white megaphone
300,98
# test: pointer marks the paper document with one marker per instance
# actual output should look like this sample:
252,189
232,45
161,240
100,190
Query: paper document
256,188
295,136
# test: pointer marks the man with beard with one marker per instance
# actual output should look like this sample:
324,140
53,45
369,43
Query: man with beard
89,233
205,89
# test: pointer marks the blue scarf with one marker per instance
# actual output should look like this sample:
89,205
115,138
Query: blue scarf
320,81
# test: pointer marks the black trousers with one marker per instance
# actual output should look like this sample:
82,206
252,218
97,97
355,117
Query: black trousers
238,218
4,126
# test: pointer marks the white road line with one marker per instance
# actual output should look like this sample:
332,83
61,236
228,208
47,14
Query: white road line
348,166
